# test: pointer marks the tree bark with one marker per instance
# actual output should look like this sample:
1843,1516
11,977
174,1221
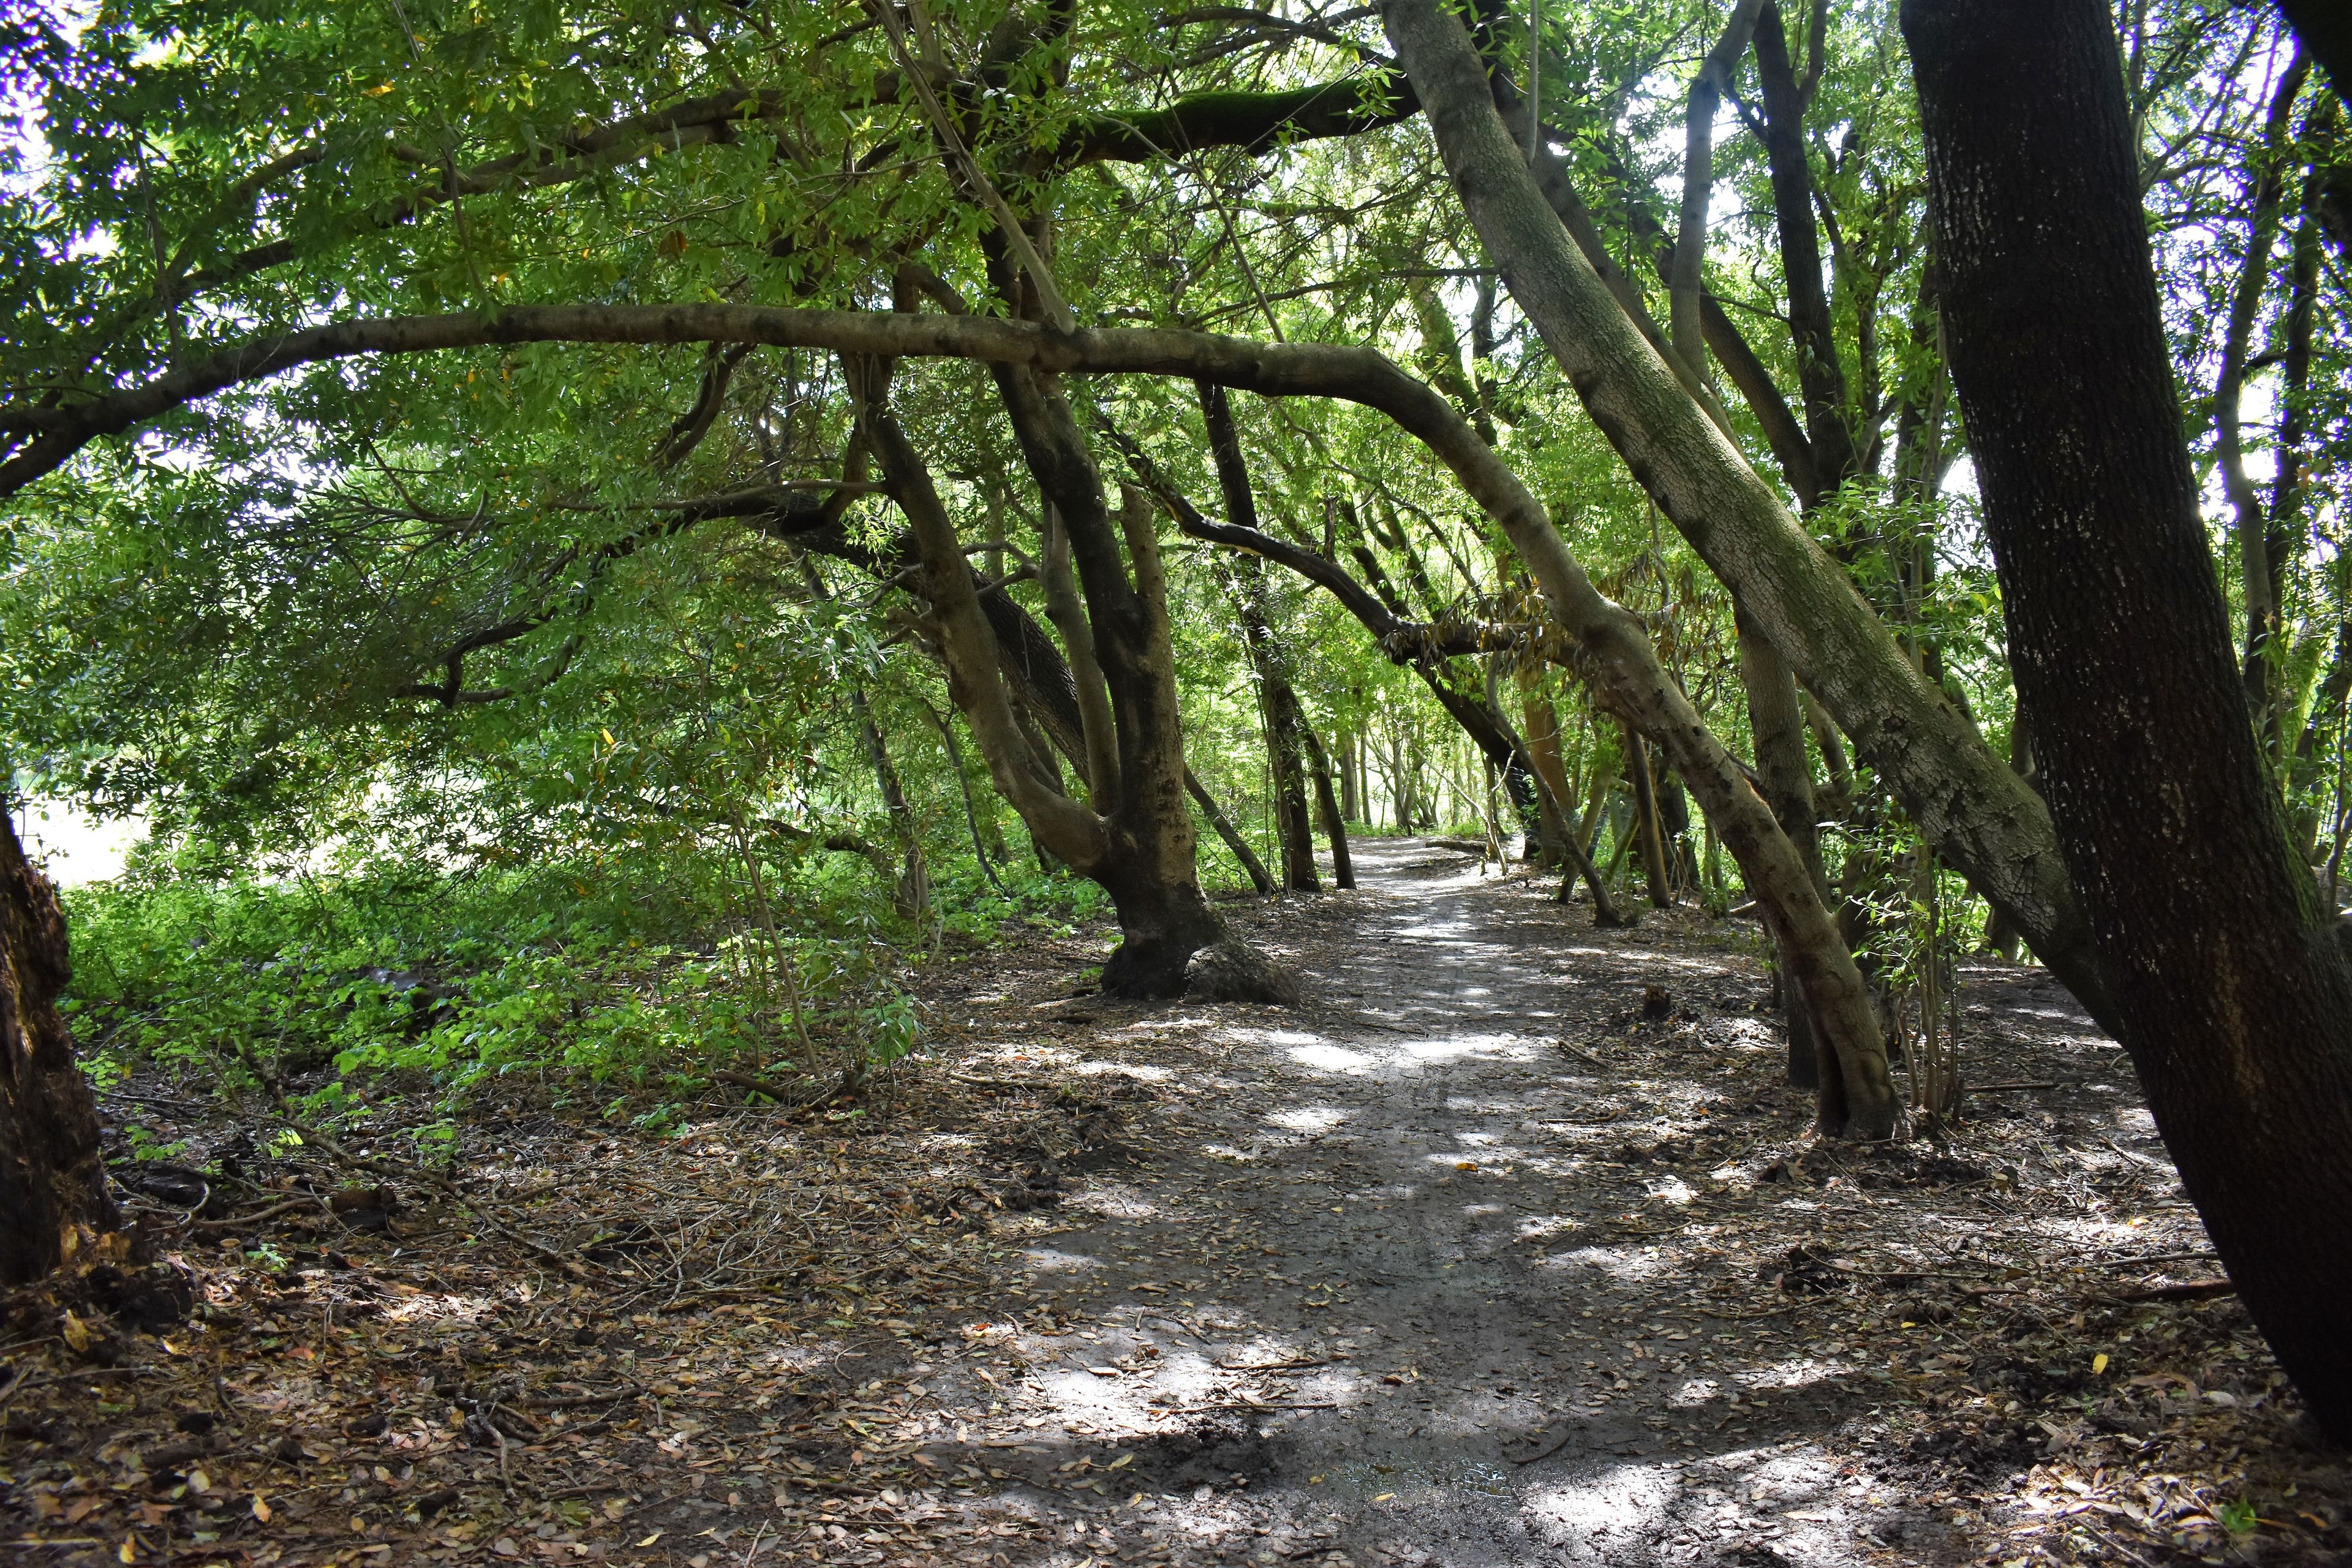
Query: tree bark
1260,877
53,1193
1327,802
2259,574
2235,999
1284,724
1821,373
1684,315
1647,831
1140,854
1969,804
1778,723
2324,29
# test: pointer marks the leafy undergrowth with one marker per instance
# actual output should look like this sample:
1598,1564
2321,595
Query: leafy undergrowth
617,989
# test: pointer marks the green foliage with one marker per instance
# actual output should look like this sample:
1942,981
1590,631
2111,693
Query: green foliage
608,988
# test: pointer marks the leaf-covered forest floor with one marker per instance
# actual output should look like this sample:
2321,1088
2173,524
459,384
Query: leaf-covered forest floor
1472,1260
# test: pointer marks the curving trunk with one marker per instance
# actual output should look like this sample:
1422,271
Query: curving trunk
53,1193
1979,815
2238,1010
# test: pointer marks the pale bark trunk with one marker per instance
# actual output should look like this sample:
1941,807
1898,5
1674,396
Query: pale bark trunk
1968,803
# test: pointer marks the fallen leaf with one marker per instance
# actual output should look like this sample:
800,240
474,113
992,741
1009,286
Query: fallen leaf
261,1508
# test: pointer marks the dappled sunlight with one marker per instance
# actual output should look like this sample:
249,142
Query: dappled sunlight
1311,1121
1595,1516
1454,1045
1053,1260
1630,1264
1137,1072
1333,1058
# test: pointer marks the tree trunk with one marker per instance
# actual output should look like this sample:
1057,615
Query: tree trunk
53,1193
1284,727
1541,733
1260,877
1778,723
1647,832
2237,1005
1335,821
1820,374
1967,802
1141,853
2259,575
1285,723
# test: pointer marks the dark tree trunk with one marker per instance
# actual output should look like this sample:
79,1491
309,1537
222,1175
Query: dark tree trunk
2235,999
53,1194
1285,723
1777,721
1327,802
1260,877
1140,852
2324,28
1647,831
1820,374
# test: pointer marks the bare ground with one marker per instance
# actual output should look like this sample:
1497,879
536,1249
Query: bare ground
1470,1261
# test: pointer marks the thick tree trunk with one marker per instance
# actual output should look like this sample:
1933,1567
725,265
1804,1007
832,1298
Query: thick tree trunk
1967,802
1142,854
2234,996
53,1193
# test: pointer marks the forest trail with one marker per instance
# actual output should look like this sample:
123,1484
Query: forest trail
1470,1270
1472,1261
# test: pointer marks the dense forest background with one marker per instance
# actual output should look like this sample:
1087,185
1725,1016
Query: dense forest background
516,666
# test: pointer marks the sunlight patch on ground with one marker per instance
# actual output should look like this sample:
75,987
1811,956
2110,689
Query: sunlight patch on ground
1053,1260
1617,1262
1142,1074
1543,1227
1276,1036
1115,1200
1599,1517
1672,1190
1799,1373
1333,1058
1453,1045
1696,1392
431,1309
1311,1121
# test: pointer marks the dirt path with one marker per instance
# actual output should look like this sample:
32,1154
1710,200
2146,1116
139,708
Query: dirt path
1476,1259
1463,1250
